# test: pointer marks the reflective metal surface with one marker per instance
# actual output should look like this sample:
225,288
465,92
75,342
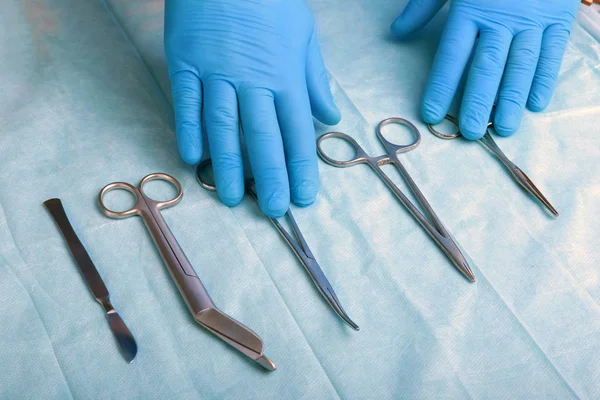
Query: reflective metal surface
295,240
124,337
518,175
190,287
431,223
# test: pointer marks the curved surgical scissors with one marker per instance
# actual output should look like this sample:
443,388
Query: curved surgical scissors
488,142
433,226
295,240
190,287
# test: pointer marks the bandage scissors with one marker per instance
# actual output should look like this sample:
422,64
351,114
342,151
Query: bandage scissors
433,226
295,240
190,287
488,142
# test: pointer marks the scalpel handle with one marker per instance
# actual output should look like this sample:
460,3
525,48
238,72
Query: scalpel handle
190,287
82,258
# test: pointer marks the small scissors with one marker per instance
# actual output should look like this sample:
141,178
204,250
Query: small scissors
190,287
433,226
488,142
296,242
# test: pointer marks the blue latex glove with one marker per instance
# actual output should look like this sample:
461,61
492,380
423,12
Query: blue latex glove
517,58
255,63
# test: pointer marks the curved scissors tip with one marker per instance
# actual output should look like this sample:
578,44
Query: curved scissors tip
337,307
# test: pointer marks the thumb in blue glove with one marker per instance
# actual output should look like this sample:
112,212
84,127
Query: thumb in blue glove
256,64
518,48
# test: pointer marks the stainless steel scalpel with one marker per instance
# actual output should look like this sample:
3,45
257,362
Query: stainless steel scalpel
93,279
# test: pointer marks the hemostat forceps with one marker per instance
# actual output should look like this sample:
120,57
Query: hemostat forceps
433,226
296,242
190,287
488,142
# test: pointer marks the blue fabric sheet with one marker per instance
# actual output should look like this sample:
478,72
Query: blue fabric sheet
84,101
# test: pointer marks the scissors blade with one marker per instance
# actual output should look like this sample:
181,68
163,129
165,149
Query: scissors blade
318,277
302,251
236,335
528,185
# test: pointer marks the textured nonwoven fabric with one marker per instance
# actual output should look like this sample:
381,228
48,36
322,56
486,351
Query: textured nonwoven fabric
85,102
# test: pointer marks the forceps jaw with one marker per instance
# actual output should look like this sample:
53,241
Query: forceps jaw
528,185
490,144
458,259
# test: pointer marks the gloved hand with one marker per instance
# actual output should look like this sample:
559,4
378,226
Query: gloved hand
255,63
517,57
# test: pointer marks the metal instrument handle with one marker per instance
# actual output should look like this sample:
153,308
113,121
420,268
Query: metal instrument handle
394,148
446,136
205,166
190,287
360,156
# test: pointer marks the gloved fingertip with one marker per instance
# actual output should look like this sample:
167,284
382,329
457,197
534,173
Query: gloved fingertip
276,205
189,143
398,27
471,134
305,193
329,115
504,130
471,129
432,112
190,159
506,124
415,16
536,103
231,197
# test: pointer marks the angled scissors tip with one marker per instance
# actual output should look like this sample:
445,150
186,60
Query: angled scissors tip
266,363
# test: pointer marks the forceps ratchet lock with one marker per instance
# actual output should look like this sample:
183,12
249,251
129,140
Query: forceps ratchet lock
488,142
190,287
430,222
296,243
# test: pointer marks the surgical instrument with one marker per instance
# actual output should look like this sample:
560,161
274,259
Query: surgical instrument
433,226
190,287
296,242
92,277
488,142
